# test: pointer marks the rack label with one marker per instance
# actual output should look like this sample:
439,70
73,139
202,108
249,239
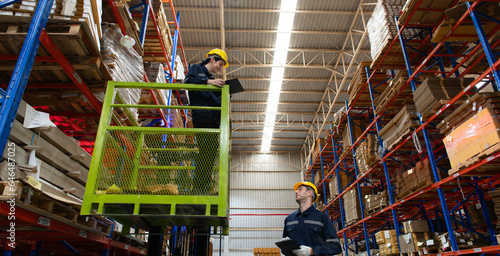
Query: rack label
125,246
490,158
44,221
82,233
478,250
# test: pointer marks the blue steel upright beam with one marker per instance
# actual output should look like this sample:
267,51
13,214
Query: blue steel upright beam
430,152
144,22
384,163
174,47
485,44
339,190
360,195
22,70
70,248
8,2
322,178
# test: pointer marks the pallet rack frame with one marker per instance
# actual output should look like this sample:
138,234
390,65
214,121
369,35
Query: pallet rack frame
15,89
493,69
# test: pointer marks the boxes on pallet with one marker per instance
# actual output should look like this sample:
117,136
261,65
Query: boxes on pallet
416,178
376,202
352,205
399,126
386,236
472,137
344,180
414,226
266,252
367,153
430,95
319,143
417,242
358,127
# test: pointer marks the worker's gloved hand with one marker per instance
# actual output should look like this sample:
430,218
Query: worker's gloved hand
303,251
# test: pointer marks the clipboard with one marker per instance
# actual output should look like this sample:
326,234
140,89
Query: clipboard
234,86
287,246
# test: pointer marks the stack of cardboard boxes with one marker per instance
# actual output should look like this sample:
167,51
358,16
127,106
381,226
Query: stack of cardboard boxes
415,178
344,179
399,126
387,241
367,153
352,205
417,238
376,202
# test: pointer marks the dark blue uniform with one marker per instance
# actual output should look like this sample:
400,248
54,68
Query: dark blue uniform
314,229
198,74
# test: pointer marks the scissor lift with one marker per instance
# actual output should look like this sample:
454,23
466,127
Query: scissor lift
156,176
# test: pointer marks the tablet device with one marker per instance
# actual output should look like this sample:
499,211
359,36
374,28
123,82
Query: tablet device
287,246
234,86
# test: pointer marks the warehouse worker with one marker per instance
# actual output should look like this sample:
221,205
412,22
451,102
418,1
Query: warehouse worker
207,144
311,229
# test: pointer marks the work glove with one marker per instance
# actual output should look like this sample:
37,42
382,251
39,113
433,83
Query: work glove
303,251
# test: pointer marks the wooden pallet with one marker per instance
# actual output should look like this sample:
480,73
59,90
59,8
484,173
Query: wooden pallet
422,17
484,168
408,191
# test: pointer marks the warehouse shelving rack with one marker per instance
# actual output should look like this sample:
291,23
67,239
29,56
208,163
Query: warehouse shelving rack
473,193
10,103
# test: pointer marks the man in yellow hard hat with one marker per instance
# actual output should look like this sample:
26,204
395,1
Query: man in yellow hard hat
308,227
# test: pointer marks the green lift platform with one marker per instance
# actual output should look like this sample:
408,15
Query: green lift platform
157,176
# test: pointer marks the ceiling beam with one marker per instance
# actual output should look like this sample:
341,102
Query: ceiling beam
278,113
285,131
265,49
274,31
274,139
214,9
287,92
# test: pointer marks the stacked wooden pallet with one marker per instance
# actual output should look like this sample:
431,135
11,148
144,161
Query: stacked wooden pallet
56,173
152,44
391,90
400,126
434,92
82,10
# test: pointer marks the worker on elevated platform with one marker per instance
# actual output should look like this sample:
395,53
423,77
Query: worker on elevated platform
202,73
310,228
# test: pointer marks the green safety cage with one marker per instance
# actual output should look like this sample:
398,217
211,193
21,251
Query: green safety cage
157,176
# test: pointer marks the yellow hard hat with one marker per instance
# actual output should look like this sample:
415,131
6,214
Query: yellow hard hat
221,54
307,183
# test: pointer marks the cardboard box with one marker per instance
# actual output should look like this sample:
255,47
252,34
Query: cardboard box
386,236
413,226
472,137
345,180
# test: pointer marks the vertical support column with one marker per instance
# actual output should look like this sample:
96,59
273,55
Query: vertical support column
155,241
360,195
486,214
341,204
144,23
452,59
432,159
322,178
485,44
174,47
22,70
384,163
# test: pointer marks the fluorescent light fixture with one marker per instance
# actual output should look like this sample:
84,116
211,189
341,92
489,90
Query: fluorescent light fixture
285,23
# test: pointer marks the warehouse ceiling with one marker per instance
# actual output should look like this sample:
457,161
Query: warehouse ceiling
328,41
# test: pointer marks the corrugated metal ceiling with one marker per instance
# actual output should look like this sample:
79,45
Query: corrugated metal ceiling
320,34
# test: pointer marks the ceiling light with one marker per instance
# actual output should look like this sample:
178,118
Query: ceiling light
285,23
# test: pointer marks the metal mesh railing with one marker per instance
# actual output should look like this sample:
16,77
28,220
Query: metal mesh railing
158,162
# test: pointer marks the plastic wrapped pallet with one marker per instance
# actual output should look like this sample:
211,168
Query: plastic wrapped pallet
472,137
376,202
123,63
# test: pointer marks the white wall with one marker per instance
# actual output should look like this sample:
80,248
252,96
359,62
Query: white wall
261,196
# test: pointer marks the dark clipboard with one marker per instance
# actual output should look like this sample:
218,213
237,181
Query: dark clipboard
234,86
287,246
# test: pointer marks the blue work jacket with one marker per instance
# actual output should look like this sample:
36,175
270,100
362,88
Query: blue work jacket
314,229
198,74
